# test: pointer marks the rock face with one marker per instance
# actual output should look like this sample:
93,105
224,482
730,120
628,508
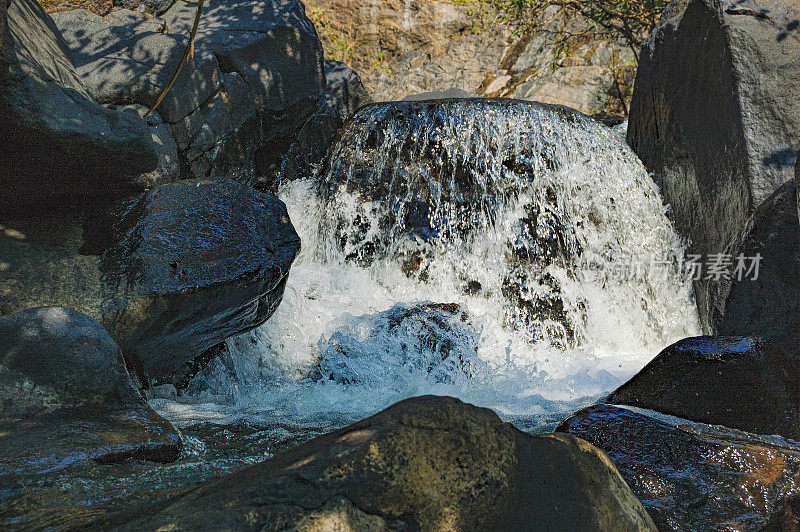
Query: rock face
185,266
768,305
742,383
715,115
344,95
66,396
403,48
254,81
697,477
428,463
61,143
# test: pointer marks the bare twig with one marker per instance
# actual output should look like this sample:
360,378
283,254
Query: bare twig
188,54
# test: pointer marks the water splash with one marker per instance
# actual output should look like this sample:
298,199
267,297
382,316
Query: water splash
487,206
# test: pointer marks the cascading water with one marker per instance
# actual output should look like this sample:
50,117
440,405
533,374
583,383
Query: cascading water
446,249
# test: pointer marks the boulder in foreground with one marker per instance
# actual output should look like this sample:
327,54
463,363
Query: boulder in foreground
697,477
742,383
66,397
428,463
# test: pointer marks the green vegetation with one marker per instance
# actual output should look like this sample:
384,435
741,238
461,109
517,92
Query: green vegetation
628,21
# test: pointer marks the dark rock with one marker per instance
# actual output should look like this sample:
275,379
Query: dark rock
128,59
424,463
715,115
743,383
433,339
66,397
61,143
344,95
186,266
766,304
697,477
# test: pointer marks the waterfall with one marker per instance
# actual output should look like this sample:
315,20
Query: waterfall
512,254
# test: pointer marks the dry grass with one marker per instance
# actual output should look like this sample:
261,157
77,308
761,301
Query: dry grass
100,7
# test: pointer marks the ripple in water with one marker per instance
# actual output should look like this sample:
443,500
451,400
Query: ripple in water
442,244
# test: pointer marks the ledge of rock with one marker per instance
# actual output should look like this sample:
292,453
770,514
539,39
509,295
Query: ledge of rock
715,114
697,477
62,144
186,266
425,463
66,397
743,383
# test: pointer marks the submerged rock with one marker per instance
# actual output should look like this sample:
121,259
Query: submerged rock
766,304
66,397
697,477
60,146
429,340
530,190
425,463
715,115
743,383
185,266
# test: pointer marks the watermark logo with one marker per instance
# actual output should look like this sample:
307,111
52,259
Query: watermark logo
714,267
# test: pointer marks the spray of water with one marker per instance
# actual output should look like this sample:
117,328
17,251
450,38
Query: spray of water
445,247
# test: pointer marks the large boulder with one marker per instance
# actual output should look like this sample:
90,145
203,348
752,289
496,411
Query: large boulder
60,143
697,477
182,268
275,49
765,302
127,58
715,115
743,383
66,397
428,463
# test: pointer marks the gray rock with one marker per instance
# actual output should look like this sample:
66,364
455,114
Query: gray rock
169,166
344,95
126,59
428,463
272,44
715,114
696,477
743,383
767,305
63,144
66,397
186,266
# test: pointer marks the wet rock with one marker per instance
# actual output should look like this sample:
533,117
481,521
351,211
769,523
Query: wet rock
696,477
66,397
62,143
344,95
434,340
715,115
184,267
425,463
763,302
743,383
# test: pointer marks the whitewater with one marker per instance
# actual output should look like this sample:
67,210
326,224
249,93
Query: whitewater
480,249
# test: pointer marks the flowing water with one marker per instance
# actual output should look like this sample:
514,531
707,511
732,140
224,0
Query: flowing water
514,255
482,249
